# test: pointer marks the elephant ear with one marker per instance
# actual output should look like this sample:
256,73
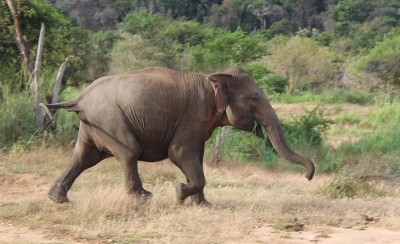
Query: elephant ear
218,82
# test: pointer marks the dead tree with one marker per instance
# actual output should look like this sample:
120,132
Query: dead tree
23,48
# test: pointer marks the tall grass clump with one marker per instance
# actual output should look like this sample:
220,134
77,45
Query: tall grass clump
349,183
17,120
361,180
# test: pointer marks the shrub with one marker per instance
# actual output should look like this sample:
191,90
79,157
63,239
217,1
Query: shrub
267,82
356,181
346,185
307,129
384,59
276,84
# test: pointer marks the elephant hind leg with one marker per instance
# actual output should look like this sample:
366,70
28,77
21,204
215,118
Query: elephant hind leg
133,182
84,157
128,158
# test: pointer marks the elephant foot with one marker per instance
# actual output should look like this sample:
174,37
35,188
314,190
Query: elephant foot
197,198
141,193
56,195
200,200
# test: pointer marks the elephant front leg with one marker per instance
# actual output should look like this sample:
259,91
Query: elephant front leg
185,190
197,198
188,159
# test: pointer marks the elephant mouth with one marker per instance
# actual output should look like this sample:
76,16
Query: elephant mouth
257,130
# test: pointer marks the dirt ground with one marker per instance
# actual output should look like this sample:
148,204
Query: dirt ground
16,234
18,188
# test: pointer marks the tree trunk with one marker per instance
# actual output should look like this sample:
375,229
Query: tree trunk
216,158
19,38
36,80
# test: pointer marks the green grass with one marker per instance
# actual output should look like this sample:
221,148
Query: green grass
333,96
388,115
17,121
344,118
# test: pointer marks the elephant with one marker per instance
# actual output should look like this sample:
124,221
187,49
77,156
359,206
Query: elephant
158,113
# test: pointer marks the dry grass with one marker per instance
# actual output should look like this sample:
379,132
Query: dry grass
245,200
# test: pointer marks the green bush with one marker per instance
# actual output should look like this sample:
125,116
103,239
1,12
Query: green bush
307,129
276,84
267,82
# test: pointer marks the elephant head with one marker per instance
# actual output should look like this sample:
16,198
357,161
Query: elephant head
247,108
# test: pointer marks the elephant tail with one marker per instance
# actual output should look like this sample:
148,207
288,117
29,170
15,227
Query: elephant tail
71,106
67,105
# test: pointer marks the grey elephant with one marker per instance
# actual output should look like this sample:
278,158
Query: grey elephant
158,113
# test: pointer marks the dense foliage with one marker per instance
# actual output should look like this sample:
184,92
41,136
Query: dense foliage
295,50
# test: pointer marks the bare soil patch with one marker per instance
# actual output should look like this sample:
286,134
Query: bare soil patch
288,110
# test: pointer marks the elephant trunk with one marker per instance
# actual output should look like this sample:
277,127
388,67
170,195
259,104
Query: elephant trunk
269,120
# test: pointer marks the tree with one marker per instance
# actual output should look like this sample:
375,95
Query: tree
226,48
301,60
61,35
384,59
267,13
133,53
229,14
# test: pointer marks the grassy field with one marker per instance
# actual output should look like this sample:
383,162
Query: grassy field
250,205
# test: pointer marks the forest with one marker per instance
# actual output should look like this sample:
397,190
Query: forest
320,52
